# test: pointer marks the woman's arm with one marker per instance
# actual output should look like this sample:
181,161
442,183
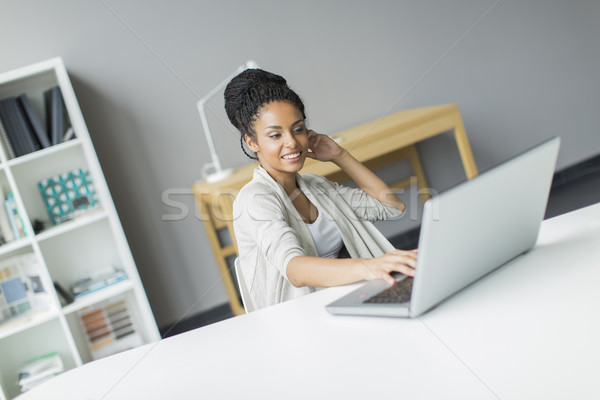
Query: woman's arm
325,149
318,271
324,272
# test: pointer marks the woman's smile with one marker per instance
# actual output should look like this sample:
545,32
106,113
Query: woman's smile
295,156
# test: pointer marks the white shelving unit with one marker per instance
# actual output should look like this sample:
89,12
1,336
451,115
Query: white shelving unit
66,251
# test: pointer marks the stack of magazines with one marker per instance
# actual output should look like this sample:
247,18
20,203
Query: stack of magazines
97,281
39,370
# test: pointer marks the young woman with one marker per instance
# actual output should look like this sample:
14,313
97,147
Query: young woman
295,232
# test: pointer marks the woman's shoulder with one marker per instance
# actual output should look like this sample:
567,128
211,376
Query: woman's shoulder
258,184
256,192
255,187
252,191
259,202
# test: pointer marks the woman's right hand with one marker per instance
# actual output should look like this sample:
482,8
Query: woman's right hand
403,261
323,148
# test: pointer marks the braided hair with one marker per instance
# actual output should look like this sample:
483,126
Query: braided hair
248,92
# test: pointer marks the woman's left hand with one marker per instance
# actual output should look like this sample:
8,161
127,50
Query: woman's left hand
323,147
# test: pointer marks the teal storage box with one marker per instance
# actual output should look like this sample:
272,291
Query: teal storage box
68,195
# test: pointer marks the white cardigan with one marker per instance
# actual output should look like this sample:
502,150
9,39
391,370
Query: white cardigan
270,231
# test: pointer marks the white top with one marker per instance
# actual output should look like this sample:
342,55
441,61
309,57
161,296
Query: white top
527,331
270,232
326,236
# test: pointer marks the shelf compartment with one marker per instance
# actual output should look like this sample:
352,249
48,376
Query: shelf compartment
77,253
80,221
48,151
128,322
34,86
64,158
14,246
27,298
26,322
46,337
96,297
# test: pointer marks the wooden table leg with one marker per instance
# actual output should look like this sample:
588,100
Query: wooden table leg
224,269
415,162
464,148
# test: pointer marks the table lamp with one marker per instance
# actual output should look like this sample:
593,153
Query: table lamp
218,173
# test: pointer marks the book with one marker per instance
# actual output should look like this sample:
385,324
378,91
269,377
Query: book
11,219
70,134
97,281
11,130
18,129
5,227
35,125
8,150
56,115
23,129
14,219
39,370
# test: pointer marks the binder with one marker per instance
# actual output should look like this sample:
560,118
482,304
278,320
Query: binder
56,115
17,127
34,123
11,130
23,129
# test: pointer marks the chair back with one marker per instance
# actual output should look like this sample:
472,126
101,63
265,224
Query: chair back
244,292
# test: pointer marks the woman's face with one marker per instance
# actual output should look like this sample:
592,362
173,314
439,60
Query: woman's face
281,139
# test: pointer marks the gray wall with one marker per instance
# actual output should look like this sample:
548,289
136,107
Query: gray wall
524,72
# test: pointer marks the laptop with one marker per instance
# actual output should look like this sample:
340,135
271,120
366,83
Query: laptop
466,232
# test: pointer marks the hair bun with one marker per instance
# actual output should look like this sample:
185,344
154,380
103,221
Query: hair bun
261,76
239,89
251,78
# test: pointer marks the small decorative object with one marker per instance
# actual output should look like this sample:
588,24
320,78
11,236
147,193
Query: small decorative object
68,195
38,226
64,296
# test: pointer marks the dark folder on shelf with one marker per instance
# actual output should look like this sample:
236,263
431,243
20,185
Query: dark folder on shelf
35,125
9,128
23,127
58,124
15,127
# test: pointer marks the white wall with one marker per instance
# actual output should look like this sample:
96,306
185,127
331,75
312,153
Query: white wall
526,71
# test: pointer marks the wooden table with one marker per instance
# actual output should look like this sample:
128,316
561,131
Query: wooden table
377,144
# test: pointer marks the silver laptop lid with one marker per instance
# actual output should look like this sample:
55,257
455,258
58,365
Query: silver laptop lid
477,226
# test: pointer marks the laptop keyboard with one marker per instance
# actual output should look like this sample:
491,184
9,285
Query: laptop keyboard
399,293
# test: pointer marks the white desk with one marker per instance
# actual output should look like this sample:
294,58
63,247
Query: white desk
531,330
